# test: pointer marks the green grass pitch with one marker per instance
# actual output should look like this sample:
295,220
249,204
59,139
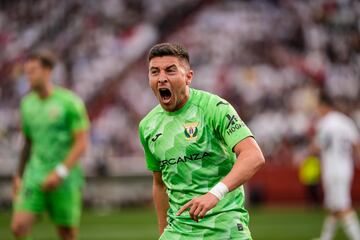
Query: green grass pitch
140,224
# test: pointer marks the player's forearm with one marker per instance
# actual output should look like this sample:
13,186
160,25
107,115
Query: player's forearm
356,154
161,202
357,151
247,164
24,157
78,149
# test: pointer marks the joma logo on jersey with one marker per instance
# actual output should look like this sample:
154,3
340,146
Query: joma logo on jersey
191,131
233,125
184,159
156,137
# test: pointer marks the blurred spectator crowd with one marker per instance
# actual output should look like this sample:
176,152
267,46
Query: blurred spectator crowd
267,58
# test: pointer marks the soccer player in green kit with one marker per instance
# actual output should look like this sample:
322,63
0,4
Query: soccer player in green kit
200,151
54,125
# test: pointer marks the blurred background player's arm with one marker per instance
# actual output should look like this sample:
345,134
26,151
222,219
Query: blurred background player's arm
161,200
78,148
356,153
24,157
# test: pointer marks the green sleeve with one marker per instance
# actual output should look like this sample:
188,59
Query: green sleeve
78,118
228,124
151,162
24,125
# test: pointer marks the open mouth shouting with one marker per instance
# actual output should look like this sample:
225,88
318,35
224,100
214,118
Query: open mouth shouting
165,95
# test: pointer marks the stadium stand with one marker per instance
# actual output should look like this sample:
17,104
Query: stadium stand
252,55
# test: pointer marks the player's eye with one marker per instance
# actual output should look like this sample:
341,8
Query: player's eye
171,70
154,72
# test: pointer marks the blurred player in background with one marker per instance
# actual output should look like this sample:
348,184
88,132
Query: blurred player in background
337,138
54,125
200,151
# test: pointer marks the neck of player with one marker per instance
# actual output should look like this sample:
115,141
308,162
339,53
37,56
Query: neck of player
45,90
184,99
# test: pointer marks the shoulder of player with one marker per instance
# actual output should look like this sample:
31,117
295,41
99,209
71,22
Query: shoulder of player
338,118
336,121
27,99
151,116
348,122
67,95
208,101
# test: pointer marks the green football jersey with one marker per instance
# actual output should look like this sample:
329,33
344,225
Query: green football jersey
192,148
50,125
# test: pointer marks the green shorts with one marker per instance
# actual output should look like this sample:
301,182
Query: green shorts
224,226
171,234
62,204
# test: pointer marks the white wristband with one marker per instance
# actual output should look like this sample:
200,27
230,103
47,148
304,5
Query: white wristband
62,170
219,190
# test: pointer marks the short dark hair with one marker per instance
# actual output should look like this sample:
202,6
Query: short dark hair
45,57
326,99
169,49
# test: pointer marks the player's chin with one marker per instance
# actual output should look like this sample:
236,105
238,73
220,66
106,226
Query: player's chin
35,85
167,105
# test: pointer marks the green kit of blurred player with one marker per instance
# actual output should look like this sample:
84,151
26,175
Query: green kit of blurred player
54,125
200,152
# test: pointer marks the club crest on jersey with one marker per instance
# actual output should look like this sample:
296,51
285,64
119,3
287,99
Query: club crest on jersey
54,113
191,130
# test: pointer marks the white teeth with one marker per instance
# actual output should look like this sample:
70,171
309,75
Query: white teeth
165,95
166,100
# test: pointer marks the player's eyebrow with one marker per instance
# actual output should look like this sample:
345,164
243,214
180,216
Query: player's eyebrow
166,68
153,68
171,66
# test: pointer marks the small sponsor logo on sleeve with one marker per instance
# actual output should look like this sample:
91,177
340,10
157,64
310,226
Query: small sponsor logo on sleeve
234,124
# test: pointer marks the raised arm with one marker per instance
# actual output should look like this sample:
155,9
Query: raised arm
77,149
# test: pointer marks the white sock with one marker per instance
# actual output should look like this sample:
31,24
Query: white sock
329,228
351,226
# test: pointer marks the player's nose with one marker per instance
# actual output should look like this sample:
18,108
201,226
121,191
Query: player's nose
162,77
162,80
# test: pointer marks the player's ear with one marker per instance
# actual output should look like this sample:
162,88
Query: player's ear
189,76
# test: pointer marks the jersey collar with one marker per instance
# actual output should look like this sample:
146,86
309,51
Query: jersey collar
185,107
